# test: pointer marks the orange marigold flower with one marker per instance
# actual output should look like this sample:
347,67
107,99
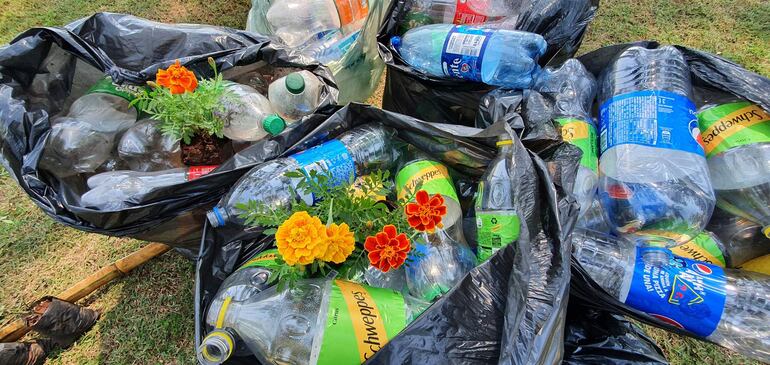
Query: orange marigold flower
177,78
301,239
425,213
339,243
387,249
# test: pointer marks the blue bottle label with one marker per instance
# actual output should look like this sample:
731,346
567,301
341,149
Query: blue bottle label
463,52
687,294
331,158
653,118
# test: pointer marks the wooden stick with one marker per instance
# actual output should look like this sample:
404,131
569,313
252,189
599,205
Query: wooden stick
18,328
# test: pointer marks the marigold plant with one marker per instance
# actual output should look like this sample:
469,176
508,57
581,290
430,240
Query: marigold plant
301,239
425,213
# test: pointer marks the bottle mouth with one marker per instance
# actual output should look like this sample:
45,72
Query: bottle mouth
766,231
216,348
215,217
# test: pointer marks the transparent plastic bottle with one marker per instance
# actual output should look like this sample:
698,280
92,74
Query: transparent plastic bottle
742,238
295,95
423,12
106,107
439,259
496,57
331,47
497,217
728,307
315,322
354,153
249,116
573,89
653,172
736,137
145,148
296,22
394,279
113,190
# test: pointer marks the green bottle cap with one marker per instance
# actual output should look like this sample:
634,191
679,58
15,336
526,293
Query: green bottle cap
273,124
295,83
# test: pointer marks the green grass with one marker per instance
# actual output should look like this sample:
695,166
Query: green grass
148,316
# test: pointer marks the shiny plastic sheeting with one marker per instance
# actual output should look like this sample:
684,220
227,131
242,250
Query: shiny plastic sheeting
561,22
44,69
508,310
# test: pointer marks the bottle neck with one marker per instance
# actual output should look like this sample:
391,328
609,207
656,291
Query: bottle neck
216,348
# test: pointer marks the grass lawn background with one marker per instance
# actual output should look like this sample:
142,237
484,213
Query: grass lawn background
148,316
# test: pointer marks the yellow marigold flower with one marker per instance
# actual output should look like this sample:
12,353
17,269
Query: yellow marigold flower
339,243
301,239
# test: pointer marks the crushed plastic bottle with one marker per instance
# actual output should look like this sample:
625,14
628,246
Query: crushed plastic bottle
331,47
354,153
295,95
114,190
573,90
728,307
424,12
652,167
439,259
84,139
145,148
318,321
249,116
394,279
498,57
742,238
298,22
497,218
736,137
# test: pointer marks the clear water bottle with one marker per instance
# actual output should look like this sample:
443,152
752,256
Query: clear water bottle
573,90
331,47
496,57
296,22
74,147
318,321
439,259
497,217
249,116
394,279
144,147
742,238
728,307
354,153
736,137
423,12
295,95
114,190
653,170
106,107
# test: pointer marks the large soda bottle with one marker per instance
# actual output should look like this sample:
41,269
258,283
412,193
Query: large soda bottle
318,321
83,140
144,147
295,95
736,137
297,22
653,170
497,218
354,153
573,89
728,307
113,190
496,57
742,238
441,258
249,116
424,12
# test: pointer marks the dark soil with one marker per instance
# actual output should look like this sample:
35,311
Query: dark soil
206,150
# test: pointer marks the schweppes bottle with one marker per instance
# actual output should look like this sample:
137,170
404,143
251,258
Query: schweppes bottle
735,135
318,321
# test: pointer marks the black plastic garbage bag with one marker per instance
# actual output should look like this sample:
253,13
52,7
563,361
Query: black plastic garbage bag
509,310
595,337
707,71
44,69
561,22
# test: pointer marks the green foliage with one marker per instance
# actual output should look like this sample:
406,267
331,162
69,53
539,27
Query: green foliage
183,116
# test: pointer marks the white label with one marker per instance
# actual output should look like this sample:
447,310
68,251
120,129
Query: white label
465,44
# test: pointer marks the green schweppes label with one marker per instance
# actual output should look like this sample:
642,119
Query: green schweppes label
433,175
494,230
701,248
583,135
106,86
266,259
360,320
730,125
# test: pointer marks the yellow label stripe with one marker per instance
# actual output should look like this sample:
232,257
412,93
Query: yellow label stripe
368,325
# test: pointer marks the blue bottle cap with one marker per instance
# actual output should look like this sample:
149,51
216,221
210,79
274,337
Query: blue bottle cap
395,42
